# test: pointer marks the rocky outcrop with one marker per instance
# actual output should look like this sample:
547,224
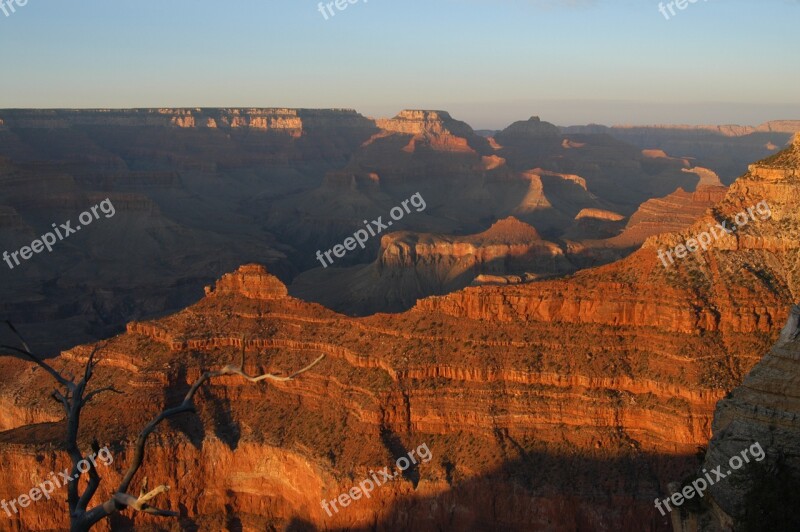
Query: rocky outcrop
773,174
411,266
507,239
782,166
671,213
708,178
285,447
599,214
727,149
730,130
760,418
526,131
251,281
764,409
554,199
643,371
572,178
434,129
566,403
638,276
16,409
781,126
534,198
292,122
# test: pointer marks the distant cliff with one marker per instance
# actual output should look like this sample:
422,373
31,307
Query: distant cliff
281,120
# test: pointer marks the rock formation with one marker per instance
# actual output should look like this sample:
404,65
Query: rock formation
589,393
728,149
526,131
763,412
206,189
599,214
411,266
186,195
791,330
434,129
292,122
671,213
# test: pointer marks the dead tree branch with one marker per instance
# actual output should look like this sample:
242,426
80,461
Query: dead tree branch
74,398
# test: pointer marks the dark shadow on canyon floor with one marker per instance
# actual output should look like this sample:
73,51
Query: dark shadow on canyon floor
543,492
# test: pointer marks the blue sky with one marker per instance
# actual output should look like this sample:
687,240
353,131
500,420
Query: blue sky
489,62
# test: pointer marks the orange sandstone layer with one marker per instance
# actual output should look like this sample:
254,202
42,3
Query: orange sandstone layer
557,404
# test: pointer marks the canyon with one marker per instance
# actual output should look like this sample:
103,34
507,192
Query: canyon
515,266
205,190
721,147
563,403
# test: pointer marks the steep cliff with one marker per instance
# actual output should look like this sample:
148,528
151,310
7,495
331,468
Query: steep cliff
592,392
755,442
589,393
516,430
292,122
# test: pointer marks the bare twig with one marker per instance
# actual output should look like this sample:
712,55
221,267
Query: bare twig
38,361
188,406
74,398
159,490
93,393
140,504
233,370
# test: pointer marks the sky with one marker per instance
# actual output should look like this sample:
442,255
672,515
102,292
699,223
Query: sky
488,62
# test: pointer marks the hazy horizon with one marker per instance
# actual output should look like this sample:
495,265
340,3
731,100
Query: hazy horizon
497,124
489,64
